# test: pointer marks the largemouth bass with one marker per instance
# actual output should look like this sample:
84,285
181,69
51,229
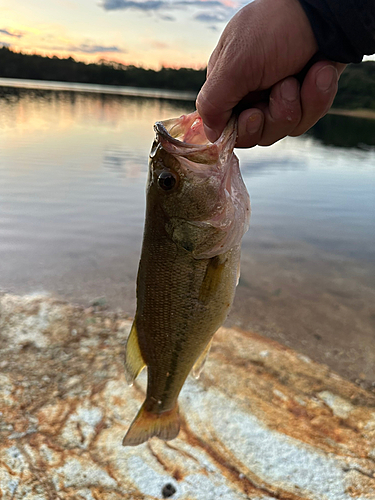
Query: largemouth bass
197,211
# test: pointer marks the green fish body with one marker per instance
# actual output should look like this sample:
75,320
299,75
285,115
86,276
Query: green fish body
197,212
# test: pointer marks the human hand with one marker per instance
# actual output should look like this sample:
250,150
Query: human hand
261,48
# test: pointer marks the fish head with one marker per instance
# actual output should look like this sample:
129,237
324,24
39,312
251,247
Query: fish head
198,186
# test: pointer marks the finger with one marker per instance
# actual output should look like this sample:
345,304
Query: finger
250,127
283,112
212,60
318,91
214,120
228,73
216,100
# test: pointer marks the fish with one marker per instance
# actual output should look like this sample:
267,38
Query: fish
197,210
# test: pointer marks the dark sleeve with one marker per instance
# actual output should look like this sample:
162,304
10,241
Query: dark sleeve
344,29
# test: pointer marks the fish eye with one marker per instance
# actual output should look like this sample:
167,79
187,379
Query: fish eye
167,180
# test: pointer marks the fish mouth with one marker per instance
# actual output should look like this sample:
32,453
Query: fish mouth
185,136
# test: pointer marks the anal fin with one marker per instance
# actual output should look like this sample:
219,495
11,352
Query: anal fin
164,425
199,364
134,362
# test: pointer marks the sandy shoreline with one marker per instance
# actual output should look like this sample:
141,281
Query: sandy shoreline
261,423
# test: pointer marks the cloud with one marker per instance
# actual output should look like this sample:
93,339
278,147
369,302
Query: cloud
157,5
167,18
200,3
11,33
4,44
211,12
211,18
93,49
87,48
124,4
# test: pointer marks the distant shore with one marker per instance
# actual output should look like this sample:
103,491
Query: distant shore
356,113
141,92
356,88
94,88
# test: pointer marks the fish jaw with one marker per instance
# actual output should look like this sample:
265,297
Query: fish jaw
185,137
187,129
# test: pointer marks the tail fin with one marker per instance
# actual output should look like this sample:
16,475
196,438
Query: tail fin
164,425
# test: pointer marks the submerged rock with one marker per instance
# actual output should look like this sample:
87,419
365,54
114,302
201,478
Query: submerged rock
262,422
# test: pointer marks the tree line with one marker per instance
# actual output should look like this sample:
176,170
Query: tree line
356,87
37,67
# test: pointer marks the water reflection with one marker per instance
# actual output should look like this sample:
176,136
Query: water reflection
73,169
124,163
345,131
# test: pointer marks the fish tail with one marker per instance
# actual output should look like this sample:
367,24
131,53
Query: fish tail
164,425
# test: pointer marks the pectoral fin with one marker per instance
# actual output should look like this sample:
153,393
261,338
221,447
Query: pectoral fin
199,364
134,362
212,278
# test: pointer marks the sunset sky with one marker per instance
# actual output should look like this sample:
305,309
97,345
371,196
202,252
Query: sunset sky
150,33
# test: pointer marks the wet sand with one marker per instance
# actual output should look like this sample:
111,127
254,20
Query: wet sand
261,422
320,305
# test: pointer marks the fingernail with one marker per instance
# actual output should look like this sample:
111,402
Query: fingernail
211,134
253,123
289,90
326,77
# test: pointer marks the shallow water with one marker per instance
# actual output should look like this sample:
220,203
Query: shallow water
72,177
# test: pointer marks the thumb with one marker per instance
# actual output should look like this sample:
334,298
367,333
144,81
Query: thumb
215,102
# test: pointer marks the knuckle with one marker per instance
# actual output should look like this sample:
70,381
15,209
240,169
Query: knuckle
285,115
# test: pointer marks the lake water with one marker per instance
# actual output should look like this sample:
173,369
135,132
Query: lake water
73,168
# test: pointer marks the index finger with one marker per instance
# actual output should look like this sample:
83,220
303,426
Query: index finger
215,102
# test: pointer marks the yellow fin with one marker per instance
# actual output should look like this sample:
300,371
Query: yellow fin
199,364
134,362
212,278
164,425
